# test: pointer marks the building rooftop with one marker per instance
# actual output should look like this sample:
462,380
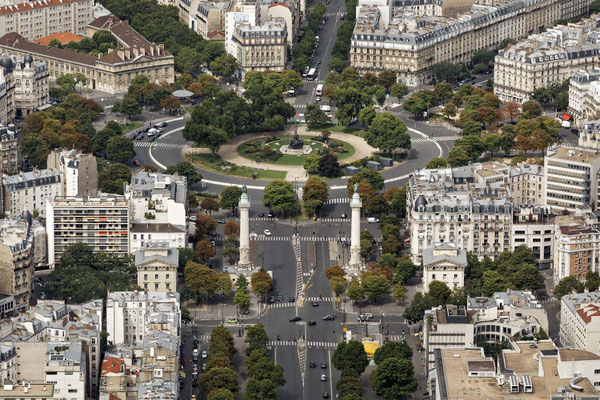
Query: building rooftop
572,154
25,180
577,355
444,252
63,38
157,252
26,6
165,228
27,391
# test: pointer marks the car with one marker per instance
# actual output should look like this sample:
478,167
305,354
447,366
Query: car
204,354
195,355
193,218
271,299
279,297
261,214
136,163
323,365
372,220
343,16
317,38
193,397
312,364
152,132
318,62
291,299
270,214
253,234
221,221
204,367
312,323
325,395
195,368
328,318
325,107
232,320
295,319
318,99
140,137
267,232
196,342
368,315
575,131
162,124
315,304
344,215
212,242
323,378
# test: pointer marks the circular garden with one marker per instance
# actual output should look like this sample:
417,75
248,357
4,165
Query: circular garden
267,150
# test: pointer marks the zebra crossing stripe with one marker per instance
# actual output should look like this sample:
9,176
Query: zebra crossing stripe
281,343
322,344
266,238
281,305
340,200
263,219
317,298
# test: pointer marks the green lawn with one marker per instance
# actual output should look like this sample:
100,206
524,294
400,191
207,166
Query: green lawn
131,125
216,163
287,159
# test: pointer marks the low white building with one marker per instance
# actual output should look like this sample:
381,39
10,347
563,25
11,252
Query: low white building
580,321
129,314
142,234
30,191
534,227
157,267
445,263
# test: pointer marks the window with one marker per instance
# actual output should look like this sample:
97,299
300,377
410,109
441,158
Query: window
597,372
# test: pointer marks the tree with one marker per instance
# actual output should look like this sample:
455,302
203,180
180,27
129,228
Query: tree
314,195
315,117
232,229
242,282
231,250
350,101
366,116
531,109
439,291
209,204
350,358
448,72
185,169
204,250
567,285
260,390
387,78
66,82
185,254
393,350
201,279
376,205
261,282
224,65
221,394
256,338
435,163
417,106
527,277
280,196
311,163
398,292
119,149
170,103
329,167
374,285
242,299
129,106
493,282
348,386
394,378
230,197
387,133
205,226
217,378
267,369
335,271
372,177
338,285
355,290
111,178
443,91
592,281
399,90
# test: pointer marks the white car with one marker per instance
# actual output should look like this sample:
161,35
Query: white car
372,220
253,234
267,232
192,218
325,107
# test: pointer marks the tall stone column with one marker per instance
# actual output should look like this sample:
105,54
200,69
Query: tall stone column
244,206
355,205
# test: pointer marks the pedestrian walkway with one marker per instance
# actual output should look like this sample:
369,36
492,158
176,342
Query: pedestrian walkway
341,200
282,343
158,145
202,338
319,238
317,298
333,220
397,338
263,219
437,139
265,238
281,305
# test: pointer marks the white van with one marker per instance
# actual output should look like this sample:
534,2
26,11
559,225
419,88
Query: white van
372,220
325,107
152,132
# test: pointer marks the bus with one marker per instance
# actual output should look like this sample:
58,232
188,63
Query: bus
311,74
319,91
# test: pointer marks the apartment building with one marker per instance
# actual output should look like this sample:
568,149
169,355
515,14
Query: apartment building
79,170
35,391
576,251
16,259
9,146
131,315
580,321
584,98
447,206
29,191
52,328
240,12
34,20
7,91
571,178
526,182
420,8
287,11
100,222
111,72
523,371
29,83
411,45
261,47
534,227
156,267
545,58
204,17
142,233
445,263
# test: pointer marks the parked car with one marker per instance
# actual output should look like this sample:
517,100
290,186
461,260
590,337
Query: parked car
372,220
162,124
325,107
325,395
204,354
195,355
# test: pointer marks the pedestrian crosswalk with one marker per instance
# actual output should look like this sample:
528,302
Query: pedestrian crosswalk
396,338
437,139
255,219
333,220
340,200
281,305
322,344
265,238
282,343
159,145
319,238
317,298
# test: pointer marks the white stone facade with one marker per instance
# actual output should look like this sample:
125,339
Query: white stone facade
29,191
